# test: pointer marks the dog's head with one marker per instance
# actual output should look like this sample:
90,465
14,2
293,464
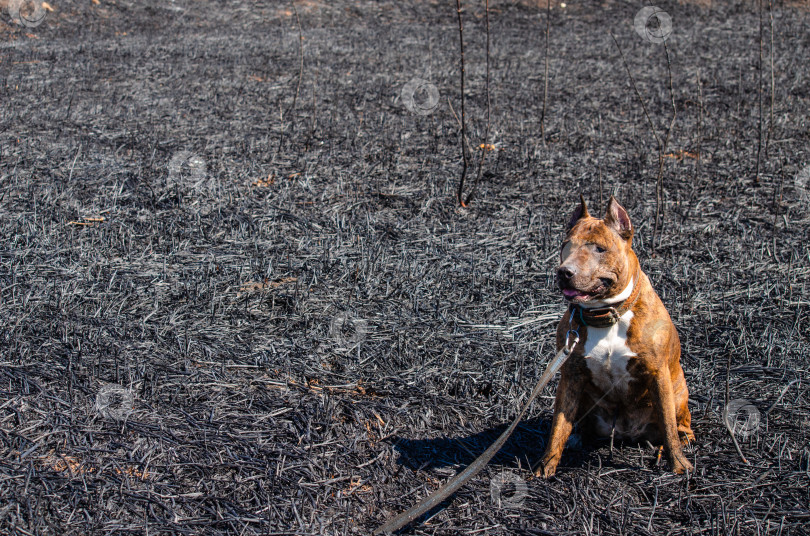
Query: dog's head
597,260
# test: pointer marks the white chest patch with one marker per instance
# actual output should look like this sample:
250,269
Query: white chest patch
607,355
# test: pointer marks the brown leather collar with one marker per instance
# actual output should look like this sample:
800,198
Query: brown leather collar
604,317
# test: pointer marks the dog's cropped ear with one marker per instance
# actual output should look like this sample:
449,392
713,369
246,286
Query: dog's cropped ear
580,212
617,219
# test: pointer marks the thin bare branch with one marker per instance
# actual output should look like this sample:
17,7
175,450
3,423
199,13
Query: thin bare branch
759,69
545,75
459,193
662,144
659,183
300,76
485,145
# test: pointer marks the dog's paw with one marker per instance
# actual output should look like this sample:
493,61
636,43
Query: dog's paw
546,470
686,436
680,464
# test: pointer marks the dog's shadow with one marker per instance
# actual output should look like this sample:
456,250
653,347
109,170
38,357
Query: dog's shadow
523,449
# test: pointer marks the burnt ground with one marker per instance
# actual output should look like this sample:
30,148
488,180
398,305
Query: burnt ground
211,327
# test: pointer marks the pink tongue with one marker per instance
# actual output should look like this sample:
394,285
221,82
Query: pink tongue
571,293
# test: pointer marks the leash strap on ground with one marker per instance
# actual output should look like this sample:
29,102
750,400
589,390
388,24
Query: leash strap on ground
475,467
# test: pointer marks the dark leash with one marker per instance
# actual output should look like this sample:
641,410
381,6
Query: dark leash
438,496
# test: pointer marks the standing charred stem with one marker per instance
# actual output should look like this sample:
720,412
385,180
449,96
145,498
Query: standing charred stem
465,149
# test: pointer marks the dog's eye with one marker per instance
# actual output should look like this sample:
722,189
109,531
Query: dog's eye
599,249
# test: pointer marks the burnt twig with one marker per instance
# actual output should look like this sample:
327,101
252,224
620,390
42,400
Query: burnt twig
300,76
485,145
459,193
545,75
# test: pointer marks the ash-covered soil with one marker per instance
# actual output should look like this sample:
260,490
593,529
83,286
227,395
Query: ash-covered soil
233,305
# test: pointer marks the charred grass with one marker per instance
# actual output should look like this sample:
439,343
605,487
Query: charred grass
307,336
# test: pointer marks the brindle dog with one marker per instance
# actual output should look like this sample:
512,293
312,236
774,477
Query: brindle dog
624,376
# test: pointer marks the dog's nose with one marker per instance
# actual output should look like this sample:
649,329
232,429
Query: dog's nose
565,273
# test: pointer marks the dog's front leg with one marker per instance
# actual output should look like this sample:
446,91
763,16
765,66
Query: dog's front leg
664,405
566,405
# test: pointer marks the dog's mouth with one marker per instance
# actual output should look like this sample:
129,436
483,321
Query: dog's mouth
576,295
